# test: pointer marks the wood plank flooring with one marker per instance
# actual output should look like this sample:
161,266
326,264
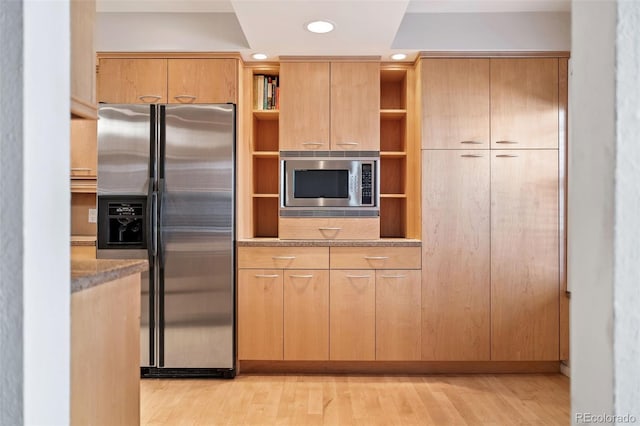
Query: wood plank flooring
505,399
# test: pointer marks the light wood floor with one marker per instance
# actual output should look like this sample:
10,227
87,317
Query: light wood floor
359,400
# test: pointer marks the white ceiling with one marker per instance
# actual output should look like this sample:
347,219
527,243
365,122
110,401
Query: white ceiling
276,27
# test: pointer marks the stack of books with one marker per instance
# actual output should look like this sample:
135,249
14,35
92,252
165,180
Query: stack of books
266,92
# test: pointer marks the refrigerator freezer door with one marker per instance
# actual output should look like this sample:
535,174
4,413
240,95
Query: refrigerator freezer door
124,136
197,236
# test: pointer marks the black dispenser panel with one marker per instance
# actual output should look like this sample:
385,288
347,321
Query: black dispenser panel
122,222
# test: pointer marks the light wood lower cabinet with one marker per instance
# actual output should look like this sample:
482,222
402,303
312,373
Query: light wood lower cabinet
352,315
306,315
260,314
105,353
398,315
366,313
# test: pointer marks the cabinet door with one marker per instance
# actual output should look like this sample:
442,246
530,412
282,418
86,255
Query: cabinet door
398,315
260,299
355,106
455,98
202,81
84,144
304,106
456,259
306,315
352,323
83,58
132,81
524,255
524,103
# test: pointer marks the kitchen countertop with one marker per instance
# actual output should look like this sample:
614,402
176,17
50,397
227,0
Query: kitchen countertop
87,273
276,242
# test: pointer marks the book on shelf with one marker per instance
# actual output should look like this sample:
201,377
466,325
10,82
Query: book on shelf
266,92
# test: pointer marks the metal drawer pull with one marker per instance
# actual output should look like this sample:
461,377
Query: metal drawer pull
376,257
471,156
154,97
312,143
267,276
301,276
347,143
472,142
185,97
329,229
393,276
506,155
283,257
506,142
358,276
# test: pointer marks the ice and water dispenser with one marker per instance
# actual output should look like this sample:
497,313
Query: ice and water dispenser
122,222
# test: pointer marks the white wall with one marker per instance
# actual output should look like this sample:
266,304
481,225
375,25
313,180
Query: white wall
627,226
11,213
591,201
485,31
153,32
46,217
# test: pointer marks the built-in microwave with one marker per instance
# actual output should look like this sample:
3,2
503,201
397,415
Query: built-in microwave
329,185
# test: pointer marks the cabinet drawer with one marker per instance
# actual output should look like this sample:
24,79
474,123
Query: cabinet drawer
283,257
329,228
375,258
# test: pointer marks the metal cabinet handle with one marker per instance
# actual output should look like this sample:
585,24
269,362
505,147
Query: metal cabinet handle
471,156
267,276
329,229
312,143
358,276
472,142
506,142
283,257
301,276
506,155
376,257
347,143
393,276
154,97
191,97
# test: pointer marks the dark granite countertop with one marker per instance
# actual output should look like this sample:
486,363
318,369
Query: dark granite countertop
87,273
276,242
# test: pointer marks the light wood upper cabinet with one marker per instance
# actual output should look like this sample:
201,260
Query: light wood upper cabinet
202,81
84,156
304,106
398,315
455,97
355,106
306,315
83,58
329,106
524,103
352,322
132,81
260,314
524,255
456,288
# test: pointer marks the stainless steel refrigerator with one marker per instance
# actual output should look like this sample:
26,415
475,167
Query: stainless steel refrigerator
166,191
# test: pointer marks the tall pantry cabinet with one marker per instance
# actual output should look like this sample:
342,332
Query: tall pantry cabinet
493,138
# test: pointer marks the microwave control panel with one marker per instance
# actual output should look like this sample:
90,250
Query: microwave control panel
367,187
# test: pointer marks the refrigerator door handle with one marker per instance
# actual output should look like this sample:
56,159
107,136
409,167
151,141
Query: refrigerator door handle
160,204
150,219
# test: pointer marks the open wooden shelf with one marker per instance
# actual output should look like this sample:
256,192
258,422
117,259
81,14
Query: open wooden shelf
265,164
391,212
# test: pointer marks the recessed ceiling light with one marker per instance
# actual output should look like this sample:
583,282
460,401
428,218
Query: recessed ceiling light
259,56
398,56
320,27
